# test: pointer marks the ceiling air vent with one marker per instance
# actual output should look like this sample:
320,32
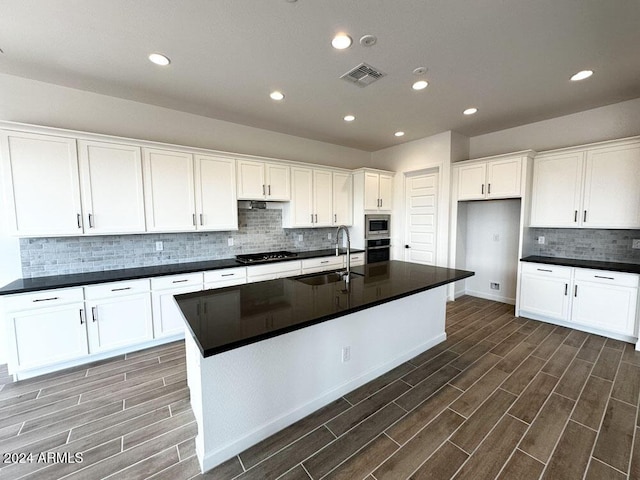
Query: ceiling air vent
363,75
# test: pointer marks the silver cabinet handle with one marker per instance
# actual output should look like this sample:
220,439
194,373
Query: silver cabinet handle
482,190
584,219
566,289
227,275
543,270
606,278
201,219
575,291
45,299
94,314
316,220
263,193
79,217
91,221
269,190
180,281
120,289
81,318
489,189
193,219
380,203
325,261
575,215
335,218
312,218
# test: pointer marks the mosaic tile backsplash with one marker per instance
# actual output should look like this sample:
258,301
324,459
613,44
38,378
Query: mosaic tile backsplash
585,244
258,231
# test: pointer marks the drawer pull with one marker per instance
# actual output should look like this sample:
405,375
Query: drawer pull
544,270
180,281
45,299
227,275
324,261
120,289
566,288
606,278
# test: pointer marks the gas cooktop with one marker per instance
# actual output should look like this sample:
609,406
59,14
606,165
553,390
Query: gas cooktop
265,257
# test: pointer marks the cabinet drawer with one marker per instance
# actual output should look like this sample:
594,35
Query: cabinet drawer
328,262
239,273
172,281
42,299
116,289
607,277
554,271
357,259
274,268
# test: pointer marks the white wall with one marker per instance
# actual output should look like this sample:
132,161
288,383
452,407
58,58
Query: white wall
492,260
604,123
39,103
426,153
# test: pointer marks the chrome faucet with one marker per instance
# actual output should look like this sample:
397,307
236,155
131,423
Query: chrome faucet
346,231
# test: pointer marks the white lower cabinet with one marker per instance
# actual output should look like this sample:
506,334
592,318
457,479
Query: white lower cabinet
167,319
47,335
313,265
272,271
118,315
595,300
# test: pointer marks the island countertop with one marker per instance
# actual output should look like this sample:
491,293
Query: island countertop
227,318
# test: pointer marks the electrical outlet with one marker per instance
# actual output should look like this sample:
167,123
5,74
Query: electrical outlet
636,243
300,237
159,247
329,236
230,241
540,240
495,286
346,354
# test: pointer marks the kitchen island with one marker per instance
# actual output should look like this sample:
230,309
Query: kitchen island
262,356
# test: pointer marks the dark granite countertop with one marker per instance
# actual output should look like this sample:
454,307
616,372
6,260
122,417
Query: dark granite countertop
25,285
231,317
595,264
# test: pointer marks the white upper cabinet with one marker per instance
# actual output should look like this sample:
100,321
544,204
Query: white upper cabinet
111,187
40,183
263,181
311,198
378,191
591,187
342,199
491,179
169,191
216,204
612,188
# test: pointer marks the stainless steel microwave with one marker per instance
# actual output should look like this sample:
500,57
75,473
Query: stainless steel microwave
377,226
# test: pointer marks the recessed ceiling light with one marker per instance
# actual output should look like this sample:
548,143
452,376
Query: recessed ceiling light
470,111
349,118
159,59
341,41
420,85
581,75
276,95
399,134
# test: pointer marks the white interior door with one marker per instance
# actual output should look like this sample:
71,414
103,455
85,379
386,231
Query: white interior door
421,206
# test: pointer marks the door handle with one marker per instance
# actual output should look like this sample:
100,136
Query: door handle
575,215
482,189
489,189
407,246
584,219
263,191
81,318
269,190
78,218
312,218
335,218
91,225
94,314
201,219
566,289
316,215
575,291
193,218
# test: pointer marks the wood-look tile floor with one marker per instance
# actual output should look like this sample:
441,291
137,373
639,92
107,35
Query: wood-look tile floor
502,398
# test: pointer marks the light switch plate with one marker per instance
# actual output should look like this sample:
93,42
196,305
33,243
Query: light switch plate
541,240
159,247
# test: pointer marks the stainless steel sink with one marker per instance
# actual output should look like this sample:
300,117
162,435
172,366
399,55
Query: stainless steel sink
323,278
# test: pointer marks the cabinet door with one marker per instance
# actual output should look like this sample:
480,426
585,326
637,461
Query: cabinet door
118,322
216,202
607,307
301,197
167,319
503,178
40,181
342,199
557,190
322,198
111,186
371,191
385,190
277,181
169,191
545,296
612,188
48,336
472,182
251,181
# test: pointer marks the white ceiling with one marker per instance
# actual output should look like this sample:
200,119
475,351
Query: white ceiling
511,59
